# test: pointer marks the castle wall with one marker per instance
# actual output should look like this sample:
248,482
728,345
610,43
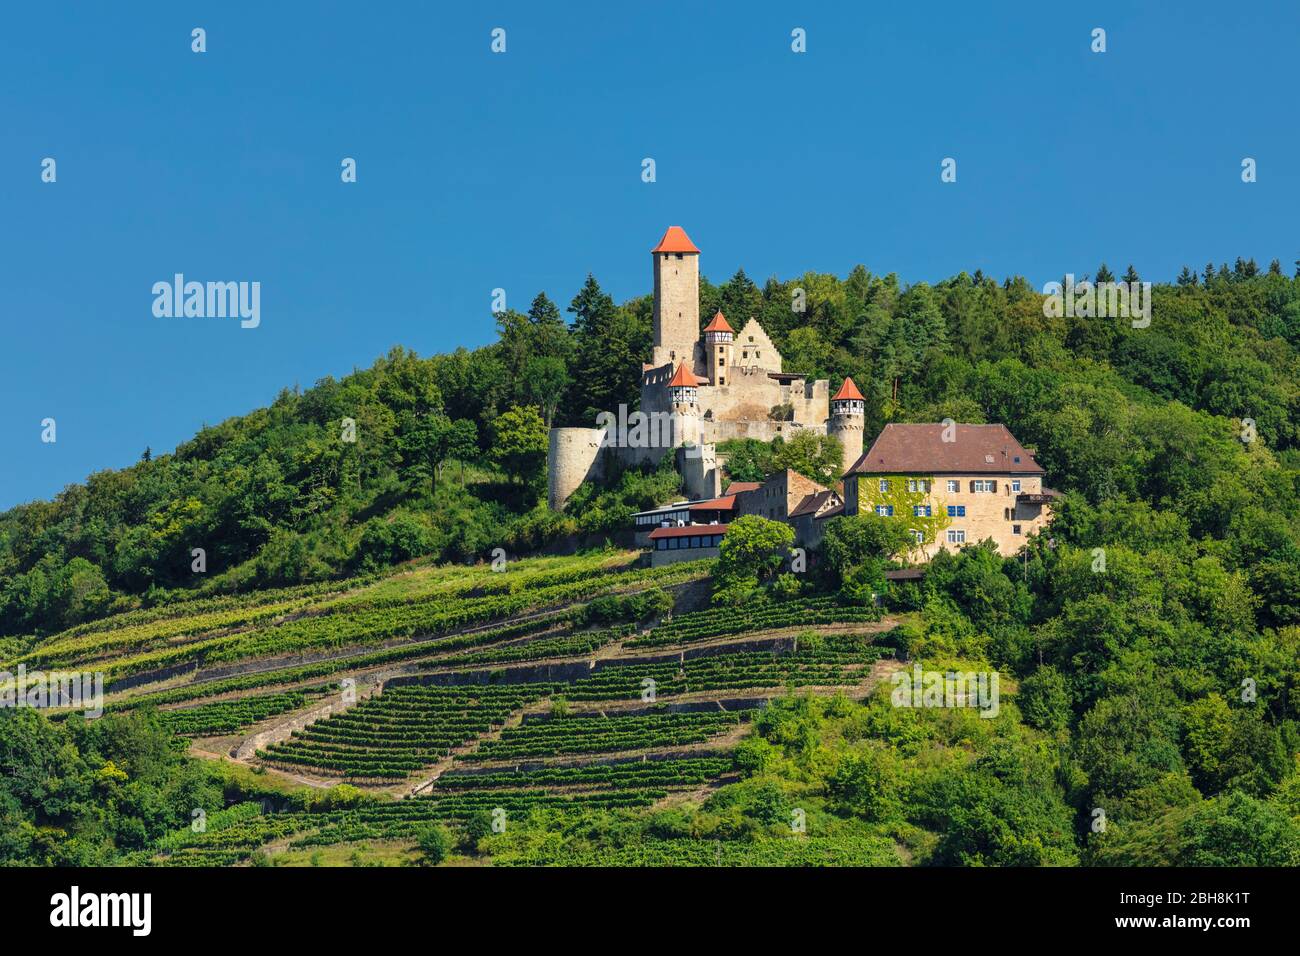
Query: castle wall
764,430
574,457
751,393
811,401
701,477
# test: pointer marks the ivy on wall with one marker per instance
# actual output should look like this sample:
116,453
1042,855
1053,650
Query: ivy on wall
903,501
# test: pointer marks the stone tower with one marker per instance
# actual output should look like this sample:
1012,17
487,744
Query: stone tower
574,456
717,344
848,418
677,299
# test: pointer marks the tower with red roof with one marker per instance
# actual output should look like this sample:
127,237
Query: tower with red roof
677,299
718,337
847,421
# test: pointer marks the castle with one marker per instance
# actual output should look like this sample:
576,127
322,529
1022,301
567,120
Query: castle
701,387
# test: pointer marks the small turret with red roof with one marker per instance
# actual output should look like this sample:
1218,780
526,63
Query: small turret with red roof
684,387
848,417
848,393
718,329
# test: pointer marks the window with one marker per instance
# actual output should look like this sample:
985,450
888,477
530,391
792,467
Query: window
661,544
956,537
911,484
1015,529
1015,486
918,536
920,511
885,511
695,541
954,486
884,484
956,511
983,486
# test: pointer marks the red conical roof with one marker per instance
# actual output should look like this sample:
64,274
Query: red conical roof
719,324
675,240
684,378
848,393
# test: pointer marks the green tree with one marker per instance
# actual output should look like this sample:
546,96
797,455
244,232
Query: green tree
752,551
427,441
748,459
815,456
519,443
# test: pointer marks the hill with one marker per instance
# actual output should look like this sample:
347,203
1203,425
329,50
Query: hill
351,677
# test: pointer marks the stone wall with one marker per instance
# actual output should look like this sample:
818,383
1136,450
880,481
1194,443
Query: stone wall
698,466
574,457
778,496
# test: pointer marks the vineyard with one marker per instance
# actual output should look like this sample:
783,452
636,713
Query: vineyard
586,684
405,729
596,733
716,622
228,716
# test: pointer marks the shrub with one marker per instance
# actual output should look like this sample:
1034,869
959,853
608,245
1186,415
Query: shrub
434,843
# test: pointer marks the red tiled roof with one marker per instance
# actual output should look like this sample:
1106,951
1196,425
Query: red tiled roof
719,324
848,392
740,487
688,531
683,378
675,240
725,503
920,449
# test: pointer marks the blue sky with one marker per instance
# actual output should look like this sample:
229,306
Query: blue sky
522,171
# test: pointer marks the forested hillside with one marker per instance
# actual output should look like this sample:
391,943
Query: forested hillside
1149,643
448,452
